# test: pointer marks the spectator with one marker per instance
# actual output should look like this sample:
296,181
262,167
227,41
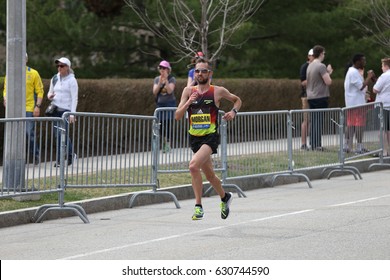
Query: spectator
164,93
355,94
202,103
34,95
63,93
317,89
305,104
382,91
191,74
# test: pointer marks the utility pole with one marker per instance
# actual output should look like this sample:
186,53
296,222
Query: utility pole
15,137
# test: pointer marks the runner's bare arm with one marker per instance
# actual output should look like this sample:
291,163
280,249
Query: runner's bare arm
185,101
223,93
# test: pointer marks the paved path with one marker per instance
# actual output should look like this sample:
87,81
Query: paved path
341,219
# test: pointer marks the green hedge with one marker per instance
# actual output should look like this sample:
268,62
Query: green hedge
127,96
135,96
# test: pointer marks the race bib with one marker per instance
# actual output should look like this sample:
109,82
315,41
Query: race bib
200,121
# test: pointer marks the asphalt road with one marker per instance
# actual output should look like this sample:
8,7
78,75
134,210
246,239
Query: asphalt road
338,219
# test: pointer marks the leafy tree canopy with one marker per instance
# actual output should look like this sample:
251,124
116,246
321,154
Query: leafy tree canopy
105,38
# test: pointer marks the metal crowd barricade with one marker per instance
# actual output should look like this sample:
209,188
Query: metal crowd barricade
176,158
320,130
131,151
25,173
383,134
114,151
292,119
31,172
360,134
257,144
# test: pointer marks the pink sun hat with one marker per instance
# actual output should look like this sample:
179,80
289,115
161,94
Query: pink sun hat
165,64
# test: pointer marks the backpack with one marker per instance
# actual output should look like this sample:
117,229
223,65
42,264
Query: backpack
54,80
52,108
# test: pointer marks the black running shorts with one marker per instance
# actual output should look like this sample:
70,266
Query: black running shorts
211,140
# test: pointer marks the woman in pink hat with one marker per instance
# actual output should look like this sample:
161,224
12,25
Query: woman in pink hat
164,93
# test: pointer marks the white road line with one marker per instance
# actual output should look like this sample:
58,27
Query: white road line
359,201
216,228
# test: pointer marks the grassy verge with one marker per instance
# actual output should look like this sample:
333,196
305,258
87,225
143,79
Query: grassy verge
76,194
237,166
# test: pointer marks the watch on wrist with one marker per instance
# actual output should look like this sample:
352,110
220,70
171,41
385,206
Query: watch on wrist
38,105
235,110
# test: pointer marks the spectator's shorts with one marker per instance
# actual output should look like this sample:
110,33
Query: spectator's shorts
356,116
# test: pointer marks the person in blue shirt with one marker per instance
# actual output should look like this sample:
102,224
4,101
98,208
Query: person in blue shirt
191,74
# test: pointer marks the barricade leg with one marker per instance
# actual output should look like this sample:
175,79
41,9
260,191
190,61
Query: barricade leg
42,211
300,175
240,192
342,169
154,193
378,164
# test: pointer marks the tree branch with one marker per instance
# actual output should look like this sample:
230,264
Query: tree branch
186,35
380,19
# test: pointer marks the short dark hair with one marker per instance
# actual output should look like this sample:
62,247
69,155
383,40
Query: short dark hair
203,60
318,50
357,57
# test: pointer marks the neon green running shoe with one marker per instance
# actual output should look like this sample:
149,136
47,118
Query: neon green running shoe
198,213
225,206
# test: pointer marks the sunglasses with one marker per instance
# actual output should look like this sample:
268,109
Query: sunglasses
162,68
203,71
61,65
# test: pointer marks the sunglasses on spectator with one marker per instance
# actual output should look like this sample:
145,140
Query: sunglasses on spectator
61,65
162,68
203,71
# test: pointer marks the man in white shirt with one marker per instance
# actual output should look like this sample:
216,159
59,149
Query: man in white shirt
355,94
382,91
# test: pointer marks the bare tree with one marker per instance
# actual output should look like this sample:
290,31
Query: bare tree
188,32
380,21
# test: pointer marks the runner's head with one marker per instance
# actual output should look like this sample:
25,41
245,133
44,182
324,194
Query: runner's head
203,71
